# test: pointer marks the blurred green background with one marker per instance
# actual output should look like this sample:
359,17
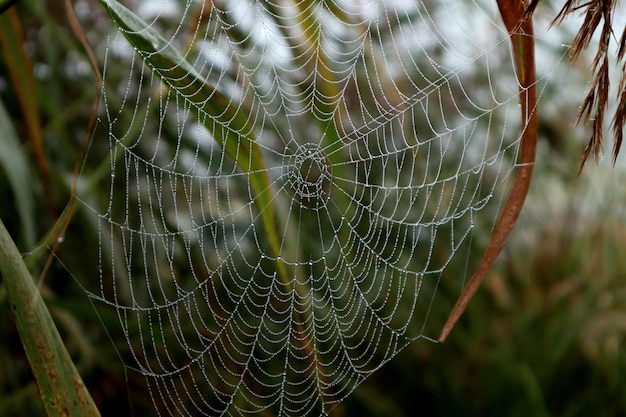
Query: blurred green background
545,335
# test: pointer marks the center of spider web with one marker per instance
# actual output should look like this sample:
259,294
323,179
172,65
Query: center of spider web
308,176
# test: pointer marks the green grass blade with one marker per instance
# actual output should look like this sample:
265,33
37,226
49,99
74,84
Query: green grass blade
226,121
60,386
19,68
18,175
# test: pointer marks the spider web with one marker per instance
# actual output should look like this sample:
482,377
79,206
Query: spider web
387,131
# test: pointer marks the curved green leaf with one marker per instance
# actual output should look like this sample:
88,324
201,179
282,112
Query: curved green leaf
226,121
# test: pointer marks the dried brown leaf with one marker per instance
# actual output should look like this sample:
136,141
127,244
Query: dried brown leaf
520,28
622,46
597,14
619,121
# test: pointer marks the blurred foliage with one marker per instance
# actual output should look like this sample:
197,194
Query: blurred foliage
546,336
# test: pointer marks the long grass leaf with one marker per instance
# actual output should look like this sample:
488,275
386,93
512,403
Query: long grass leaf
60,386
226,121
519,24
14,165
23,81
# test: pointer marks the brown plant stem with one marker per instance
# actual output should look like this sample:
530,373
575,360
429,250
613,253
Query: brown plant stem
57,233
20,71
520,28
